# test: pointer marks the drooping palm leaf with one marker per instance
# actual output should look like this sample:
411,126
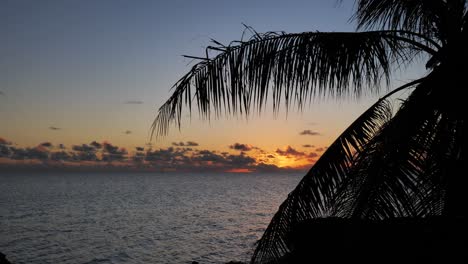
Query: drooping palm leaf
315,195
421,16
296,67
386,179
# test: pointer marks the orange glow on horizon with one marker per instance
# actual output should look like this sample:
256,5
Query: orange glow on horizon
239,170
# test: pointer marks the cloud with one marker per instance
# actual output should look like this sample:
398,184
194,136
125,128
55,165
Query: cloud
96,145
289,151
85,152
84,148
309,132
134,102
54,128
308,146
106,156
208,155
187,144
5,151
313,155
127,132
113,153
241,147
320,149
138,158
46,144
29,153
4,148
4,141
239,161
62,156
169,157
191,144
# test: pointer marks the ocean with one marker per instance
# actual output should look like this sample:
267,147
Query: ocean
136,217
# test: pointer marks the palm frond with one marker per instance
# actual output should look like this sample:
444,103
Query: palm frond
315,196
411,15
386,180
296,67
433,19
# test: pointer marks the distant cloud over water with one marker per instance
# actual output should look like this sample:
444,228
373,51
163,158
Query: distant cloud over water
186,144
241,147
309,132
179,157
54,128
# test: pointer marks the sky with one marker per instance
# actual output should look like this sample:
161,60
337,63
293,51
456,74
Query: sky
77,72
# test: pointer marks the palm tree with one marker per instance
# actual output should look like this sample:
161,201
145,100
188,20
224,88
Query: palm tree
404,163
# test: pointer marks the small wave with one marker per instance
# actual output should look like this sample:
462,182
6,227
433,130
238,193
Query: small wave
98,260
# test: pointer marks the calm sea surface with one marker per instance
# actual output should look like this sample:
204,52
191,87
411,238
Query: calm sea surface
136,218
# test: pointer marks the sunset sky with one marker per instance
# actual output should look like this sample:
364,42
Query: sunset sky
77,72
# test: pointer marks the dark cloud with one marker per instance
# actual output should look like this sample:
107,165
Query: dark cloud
61,146
113,153
62,156
290,152
54,128
187,144
191,144
85,152
101,156
83,148
239,161
320,149
262,167
137,102
309,132
241,147
207,155
169,157
308,146
46,144
4,141
29,153
313,155
86,156
5,151
139,157
96,145
127,132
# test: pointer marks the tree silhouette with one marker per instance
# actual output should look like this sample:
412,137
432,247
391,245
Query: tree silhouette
386,164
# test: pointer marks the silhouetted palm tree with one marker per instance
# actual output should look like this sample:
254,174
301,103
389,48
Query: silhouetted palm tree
408,164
